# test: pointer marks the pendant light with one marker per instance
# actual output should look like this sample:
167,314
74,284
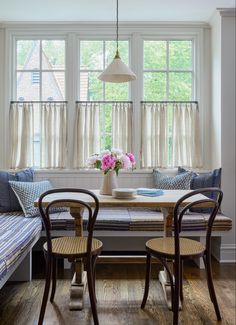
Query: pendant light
117,71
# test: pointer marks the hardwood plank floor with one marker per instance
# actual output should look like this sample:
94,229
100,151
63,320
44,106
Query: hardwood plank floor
119,291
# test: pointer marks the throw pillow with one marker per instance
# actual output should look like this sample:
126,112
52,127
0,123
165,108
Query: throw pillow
27,193
179,182
8,199
209,179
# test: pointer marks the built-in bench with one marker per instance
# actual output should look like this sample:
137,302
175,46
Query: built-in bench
18,234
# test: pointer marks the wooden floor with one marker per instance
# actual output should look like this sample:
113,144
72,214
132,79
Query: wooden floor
119,292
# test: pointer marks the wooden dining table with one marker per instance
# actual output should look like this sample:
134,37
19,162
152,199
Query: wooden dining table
165,202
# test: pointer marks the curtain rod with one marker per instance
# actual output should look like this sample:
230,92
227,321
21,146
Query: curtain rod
103,101
37,102
169,101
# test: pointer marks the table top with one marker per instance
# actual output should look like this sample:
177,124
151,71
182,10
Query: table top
167,200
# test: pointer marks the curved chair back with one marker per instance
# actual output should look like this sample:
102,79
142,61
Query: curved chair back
92,214
212,203
179,212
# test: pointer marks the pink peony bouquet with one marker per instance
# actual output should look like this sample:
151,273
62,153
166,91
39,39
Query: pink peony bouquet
112,160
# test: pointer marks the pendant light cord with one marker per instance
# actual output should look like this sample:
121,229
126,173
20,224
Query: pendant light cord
117,35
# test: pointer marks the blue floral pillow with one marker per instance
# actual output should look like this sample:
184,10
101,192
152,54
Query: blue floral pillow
179,182
27,193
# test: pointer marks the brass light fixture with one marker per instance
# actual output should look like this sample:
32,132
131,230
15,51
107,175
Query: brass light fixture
117,71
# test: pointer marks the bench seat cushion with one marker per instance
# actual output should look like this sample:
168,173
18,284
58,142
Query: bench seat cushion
16,234
139,219
3,268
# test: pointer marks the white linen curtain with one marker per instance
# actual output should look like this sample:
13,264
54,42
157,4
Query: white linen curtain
21,134
53,124
86,132
186,135
154,135
122,126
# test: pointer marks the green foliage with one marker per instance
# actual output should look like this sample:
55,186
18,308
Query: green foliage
24,47
55,52
171,57
154,53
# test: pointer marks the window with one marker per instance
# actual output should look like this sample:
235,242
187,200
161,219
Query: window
95,55
168,70
40,76
168,75
35,77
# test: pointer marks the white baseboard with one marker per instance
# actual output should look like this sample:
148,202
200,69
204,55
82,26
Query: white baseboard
228,253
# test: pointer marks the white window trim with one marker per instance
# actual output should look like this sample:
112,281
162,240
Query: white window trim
136,32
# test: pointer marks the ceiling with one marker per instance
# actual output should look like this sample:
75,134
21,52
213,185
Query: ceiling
104,10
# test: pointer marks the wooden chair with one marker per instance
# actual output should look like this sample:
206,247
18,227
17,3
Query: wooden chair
72,248
178,249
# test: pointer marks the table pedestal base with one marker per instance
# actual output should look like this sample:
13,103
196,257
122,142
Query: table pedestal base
77,291
166,286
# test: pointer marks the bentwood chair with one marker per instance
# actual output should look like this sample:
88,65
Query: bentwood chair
72,248
178,249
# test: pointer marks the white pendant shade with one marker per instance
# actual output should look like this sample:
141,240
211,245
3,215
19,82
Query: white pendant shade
117,72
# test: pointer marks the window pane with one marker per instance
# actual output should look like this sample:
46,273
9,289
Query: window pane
28,54
53,86
111,51
106,126
154,55
53,55
180,86
154,86
180,55
36,135
26,88
91,88
91,55
116,91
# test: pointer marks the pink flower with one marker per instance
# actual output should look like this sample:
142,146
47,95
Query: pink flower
131,158
108,162
125,162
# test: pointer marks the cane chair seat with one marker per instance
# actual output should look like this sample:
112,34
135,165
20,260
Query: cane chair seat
166,247
72,246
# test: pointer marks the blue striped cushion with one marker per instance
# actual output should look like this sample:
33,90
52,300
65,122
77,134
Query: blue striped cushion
16,233
3,269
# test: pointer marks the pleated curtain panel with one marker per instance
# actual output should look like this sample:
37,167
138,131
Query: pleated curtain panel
21,134
154,135
52,134
171,128
186,148
86,132
122,126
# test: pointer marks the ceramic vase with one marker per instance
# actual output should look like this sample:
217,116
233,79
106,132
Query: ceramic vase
109,183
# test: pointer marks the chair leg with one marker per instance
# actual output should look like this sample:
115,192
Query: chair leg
54,278
91,290
207,262
176,294
147,280
46,288
94,260
181,281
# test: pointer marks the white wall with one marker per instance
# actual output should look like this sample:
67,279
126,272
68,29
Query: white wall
223,116
228,86
215,114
